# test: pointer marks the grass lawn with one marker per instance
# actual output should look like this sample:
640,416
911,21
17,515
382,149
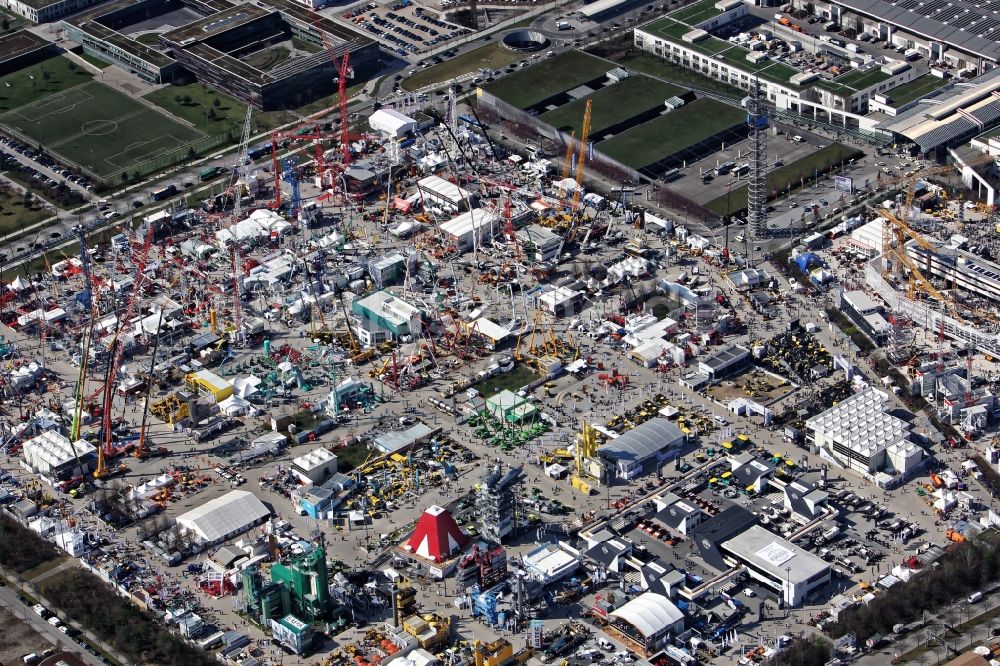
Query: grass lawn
39,80
42,568
267,59
491,55
101,129
306,46
524,23
667,134
859,80
779,72
13,214
351,457
696,13
548,77
192,103
661,69
95,61
915,89
149,38
789,177
613,104
514,380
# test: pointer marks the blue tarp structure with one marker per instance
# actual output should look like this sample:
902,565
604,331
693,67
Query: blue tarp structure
807,259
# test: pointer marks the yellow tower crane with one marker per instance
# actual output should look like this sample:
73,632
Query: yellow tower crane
581,153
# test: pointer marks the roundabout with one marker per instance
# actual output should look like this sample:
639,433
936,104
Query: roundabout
525,41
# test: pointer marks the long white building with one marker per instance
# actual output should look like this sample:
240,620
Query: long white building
684,37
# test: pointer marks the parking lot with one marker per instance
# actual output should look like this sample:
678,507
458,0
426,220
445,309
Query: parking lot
47,162
701,182
406,29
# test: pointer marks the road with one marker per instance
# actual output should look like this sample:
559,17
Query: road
951,615
8,598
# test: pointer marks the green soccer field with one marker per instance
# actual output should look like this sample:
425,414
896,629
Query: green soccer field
101,129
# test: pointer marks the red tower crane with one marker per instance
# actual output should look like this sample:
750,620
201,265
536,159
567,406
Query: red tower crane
343,70
343,74
117,347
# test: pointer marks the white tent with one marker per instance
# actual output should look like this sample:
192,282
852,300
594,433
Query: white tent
391,123
151,487
566,185
246,386
330,239
19,284
234,406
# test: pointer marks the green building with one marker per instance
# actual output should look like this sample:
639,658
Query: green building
385,316
300,588
509,406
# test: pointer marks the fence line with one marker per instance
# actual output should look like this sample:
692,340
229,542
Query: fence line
27,140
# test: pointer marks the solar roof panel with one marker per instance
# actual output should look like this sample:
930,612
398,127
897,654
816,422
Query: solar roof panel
986,25
965,20
988,114
947,14
907,4
991,7
932,6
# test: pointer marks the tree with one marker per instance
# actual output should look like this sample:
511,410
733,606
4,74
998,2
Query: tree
177,99
211,115
72,66
187,100
216,102
5,24
46,75
125,177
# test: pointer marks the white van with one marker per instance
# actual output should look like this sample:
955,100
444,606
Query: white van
798,139
975,596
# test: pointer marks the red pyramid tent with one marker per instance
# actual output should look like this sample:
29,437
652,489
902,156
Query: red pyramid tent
436,536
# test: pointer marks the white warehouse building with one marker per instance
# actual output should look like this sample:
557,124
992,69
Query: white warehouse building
470,229
650,620
224,517
862,435
780,565
315,466
436,191
53,455
391,123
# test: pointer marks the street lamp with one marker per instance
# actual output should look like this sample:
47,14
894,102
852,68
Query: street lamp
788,589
